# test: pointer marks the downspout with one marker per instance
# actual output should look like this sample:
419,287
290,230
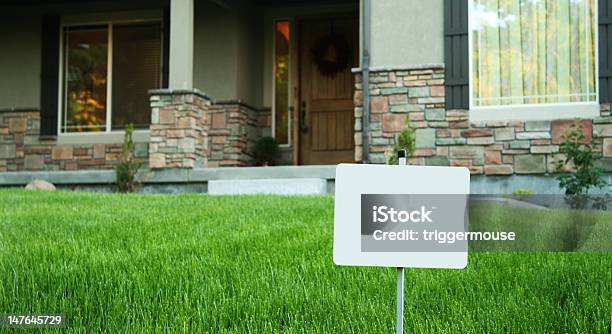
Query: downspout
365,82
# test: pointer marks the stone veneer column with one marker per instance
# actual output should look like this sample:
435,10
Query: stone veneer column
178,135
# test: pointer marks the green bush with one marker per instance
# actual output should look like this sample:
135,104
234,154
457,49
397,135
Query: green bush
266,151
580,157
522,193
128,166
406,140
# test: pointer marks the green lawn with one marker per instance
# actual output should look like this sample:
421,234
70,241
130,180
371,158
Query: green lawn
193,263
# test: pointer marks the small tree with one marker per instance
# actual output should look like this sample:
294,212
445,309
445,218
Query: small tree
406,140
128,166
583,158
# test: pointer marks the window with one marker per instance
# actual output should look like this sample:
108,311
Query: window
107,72
533,52
281,82
85,79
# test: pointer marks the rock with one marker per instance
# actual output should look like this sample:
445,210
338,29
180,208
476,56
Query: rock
393,122
498,169
40,185
34,162
435,114
532,135
467,152
425,138
477,133
530,164
537,126
418,91
560,127
380,104
607,147
502,134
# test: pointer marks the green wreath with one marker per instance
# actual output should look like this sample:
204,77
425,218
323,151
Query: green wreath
331,54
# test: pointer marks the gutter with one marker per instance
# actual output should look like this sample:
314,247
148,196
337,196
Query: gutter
365,82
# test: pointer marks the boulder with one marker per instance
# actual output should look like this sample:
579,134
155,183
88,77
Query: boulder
40,185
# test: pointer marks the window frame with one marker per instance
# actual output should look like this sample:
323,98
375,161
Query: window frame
541,111
289,82
108,135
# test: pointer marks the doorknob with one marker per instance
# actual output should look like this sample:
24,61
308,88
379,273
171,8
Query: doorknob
303,125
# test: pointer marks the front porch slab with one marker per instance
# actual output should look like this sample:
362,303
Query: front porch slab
295,186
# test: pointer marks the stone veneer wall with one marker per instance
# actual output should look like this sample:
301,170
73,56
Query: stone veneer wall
232,131
448,138
233,128
264,122
187,132
178,133
21,148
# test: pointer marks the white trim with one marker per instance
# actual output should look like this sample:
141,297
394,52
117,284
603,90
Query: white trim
530,112
115,137
109,23
403,67
544,111
596,39
289,82
60,83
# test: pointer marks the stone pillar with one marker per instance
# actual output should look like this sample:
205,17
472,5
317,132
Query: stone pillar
178,135
181,44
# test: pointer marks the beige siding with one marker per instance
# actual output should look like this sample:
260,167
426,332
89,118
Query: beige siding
215,49
19,61
407,32
227,53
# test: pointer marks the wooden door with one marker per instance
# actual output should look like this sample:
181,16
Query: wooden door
326,110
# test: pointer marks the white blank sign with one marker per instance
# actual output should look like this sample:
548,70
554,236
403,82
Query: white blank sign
353,180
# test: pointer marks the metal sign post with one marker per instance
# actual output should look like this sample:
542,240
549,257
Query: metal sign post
399,315
400,301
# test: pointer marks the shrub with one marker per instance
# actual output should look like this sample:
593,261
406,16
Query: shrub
583,158
128,166
266,151
406,140
522,193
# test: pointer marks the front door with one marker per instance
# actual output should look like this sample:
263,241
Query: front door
326,118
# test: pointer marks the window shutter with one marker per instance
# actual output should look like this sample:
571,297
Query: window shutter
456,54
605,54
166,48
49,86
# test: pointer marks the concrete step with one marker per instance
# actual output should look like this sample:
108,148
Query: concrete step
293,186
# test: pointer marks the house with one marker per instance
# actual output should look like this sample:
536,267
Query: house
202,80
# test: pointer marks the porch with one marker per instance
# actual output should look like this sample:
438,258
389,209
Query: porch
200,80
